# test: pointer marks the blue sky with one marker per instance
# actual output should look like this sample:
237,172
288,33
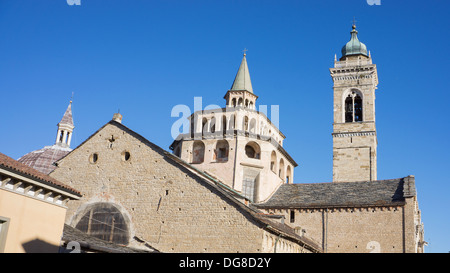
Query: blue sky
145,57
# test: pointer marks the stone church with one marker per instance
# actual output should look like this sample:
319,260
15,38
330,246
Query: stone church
229,184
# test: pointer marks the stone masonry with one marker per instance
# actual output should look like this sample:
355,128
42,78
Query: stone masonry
165,204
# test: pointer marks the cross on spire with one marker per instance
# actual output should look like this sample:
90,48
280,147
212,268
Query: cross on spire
245,51
354,21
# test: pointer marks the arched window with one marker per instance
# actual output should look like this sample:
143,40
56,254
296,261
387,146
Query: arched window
273,162
240,102
252,128
288,175
252,150
349,109
245,124
231,122
204,126
246,102
198,152
358,108
213,125
233,102
353,107
281,169
224,125
221,151
104,221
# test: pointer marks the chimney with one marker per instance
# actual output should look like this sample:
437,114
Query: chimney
117,117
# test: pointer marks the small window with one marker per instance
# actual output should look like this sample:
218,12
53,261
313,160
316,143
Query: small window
198,152
273,159
126,156
93,158
221,151
252,150
292,218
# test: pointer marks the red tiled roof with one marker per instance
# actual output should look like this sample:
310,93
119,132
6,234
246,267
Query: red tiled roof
16,166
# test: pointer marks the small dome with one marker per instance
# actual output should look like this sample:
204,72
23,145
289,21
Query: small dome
354,46
43,159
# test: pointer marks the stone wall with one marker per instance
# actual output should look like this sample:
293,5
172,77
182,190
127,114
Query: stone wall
358,230
166,205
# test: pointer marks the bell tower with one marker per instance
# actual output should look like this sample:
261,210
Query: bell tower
65,128
354,133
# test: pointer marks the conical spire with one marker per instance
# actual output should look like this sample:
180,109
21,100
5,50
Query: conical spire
67,118
242,80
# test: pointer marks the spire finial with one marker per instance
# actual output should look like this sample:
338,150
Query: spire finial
245,51
354,23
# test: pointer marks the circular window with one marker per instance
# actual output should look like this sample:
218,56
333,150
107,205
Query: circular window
93,158
125,156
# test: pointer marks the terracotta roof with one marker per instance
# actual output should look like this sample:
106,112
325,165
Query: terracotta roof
346,194
22,169
43,159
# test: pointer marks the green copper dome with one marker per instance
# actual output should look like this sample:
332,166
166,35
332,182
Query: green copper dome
354,46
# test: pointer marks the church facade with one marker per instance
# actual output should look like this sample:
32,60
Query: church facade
139,195
228,185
